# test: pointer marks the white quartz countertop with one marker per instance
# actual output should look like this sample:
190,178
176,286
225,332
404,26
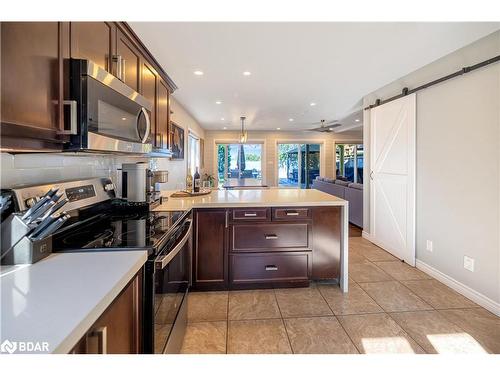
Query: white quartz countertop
59,298
252,198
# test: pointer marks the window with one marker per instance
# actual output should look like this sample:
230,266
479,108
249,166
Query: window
239,164
349,163
193,152
298,164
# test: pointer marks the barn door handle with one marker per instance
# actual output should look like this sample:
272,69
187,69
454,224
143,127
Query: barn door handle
371,175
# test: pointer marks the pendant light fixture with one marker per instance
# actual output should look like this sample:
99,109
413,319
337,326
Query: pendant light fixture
244,134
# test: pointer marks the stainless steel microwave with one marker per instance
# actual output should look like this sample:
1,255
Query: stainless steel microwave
104,114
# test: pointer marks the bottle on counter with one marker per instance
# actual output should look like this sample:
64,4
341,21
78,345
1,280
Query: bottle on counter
189,181
197,181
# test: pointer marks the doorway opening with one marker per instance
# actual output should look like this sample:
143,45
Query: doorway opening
239,164
298,164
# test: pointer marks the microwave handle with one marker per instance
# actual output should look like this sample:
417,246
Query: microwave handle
148,124
161,263
73,122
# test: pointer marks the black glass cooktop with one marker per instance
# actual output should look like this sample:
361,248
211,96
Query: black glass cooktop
137,230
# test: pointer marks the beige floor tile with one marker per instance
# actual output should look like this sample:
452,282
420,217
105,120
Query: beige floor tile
205,338
301,302
257,337
393,296
436,334
378,333
369,250
356,301
253,304
479,323
367,272
356,257
438,295
318,335
402,271
207,306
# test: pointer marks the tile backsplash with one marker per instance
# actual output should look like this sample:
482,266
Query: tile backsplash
31,169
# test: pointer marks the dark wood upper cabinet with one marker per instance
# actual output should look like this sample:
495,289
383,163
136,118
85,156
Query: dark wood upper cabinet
94,41
129,56
149,90
162,123
210,261
35,78
31,91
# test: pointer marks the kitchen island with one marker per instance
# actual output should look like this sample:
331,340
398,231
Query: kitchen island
266,238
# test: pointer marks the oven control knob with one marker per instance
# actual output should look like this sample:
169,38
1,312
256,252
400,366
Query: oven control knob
109,187
30,202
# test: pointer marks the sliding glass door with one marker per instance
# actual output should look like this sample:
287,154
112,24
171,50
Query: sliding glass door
298,164
239,164
349,163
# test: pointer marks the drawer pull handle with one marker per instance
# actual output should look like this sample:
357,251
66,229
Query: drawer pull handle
250,214
271,237
292,214
271,268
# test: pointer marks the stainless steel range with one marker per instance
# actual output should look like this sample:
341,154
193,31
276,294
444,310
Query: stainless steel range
98,221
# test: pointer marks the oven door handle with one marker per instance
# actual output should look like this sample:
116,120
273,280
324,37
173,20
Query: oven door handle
161,263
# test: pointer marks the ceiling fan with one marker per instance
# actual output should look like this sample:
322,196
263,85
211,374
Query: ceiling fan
325,126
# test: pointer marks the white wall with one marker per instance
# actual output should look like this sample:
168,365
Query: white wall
270,140
178,168
458,166
28,169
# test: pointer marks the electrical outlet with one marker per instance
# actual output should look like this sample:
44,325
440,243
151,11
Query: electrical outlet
469,263
429,245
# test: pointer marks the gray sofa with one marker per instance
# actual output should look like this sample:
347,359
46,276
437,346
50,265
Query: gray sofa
350,191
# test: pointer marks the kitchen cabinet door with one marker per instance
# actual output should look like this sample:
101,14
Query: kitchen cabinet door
118,329
210,253
149,89
162,124
31,90
130,57
94,41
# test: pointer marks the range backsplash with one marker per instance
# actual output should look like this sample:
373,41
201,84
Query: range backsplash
30,169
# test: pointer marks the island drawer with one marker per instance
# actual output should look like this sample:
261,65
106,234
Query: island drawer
251,214
270,267
291,213
270,237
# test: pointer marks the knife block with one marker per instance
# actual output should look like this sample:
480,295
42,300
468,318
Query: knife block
17,248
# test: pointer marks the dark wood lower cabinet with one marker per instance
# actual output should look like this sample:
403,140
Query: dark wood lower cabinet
210,263
118,329
289,248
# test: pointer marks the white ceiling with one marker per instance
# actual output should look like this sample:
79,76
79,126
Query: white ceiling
292,65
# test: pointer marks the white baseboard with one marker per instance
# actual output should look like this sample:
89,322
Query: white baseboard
366,235
468,292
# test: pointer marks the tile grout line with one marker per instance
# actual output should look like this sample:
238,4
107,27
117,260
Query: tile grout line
338,320
283,321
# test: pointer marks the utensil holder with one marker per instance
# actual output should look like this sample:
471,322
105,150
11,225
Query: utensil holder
13,230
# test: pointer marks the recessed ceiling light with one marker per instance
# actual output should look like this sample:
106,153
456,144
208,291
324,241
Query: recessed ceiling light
312,104
224,128
246,73
357,120
222,118
124,118
290,119
278,128
218,102
198,73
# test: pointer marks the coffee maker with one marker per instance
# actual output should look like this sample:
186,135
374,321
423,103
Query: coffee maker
140,184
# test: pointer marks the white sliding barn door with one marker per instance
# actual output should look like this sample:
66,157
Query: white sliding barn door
392,177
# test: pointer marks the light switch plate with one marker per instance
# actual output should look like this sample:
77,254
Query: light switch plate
429,245
469,263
